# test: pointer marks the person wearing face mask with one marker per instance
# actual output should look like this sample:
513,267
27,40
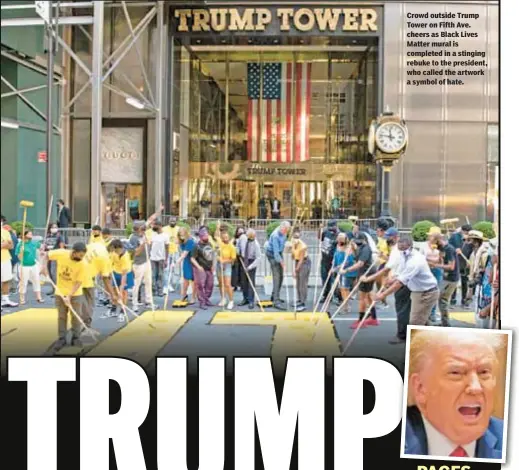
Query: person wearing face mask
237,269
186,244
328,246
96,235
347,280
141,268
53,241
249,251
29,266
301,270
414,272
172,231
449,264
364,264
203,259
159,257
71,272
226,258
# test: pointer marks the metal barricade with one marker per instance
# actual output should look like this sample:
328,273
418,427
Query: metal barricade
235,222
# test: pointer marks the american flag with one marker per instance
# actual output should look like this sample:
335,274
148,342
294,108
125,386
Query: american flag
279,112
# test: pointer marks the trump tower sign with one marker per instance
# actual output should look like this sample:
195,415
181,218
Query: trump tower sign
278,21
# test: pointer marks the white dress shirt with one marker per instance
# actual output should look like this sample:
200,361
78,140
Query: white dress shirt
415,273
440,446
394,261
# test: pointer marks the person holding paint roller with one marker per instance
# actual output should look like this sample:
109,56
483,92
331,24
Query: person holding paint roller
70,276
203,259
226,258
249,252
141,266
123,277
302,266
363,260
347,280
30,267
274,251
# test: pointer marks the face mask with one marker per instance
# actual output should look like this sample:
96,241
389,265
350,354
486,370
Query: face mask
342,243
181,238
155,229
29,239
407,252
53,230
76,259
204,238
172,225
390,242
96,235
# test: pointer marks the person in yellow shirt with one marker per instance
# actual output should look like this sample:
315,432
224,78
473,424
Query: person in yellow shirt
98,264
172,231
383,252
226,258
70,276
123,274
6,267
96,236
301,269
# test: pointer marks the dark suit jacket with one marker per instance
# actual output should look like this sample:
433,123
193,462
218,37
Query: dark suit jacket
489,446
64,217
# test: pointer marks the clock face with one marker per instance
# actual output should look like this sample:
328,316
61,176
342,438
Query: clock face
391,137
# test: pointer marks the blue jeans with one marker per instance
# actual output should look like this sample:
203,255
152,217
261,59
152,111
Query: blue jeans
438,274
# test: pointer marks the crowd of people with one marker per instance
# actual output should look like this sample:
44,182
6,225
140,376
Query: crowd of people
158,260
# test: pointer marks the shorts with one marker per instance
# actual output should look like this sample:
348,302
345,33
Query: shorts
347,282
366,287
130,280
7,271
227,270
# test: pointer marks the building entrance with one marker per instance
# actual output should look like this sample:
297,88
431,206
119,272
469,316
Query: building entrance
288,122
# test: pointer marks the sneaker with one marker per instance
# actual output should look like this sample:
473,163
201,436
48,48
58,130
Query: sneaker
121,318
222,303
356,324
243,303
59,343
396,340
110,313
150,307
230,305
135,309
9,303
165,291
76,343
171,290
251,306
372,322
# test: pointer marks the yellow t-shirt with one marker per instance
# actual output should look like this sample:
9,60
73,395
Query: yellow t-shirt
93,239
227,250
6,237
121,264
97,263
298,249
172,232
68,272
383,250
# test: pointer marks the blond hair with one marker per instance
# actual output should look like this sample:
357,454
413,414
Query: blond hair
424,343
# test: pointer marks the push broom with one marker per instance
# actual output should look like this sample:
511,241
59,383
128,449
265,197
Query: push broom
25,205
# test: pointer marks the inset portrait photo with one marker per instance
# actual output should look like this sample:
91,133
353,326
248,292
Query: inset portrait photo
456,389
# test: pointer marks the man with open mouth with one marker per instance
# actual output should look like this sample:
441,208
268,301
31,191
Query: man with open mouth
452,384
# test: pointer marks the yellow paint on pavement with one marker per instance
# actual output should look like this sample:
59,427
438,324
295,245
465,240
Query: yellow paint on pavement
28,332
144,337
466,317
300,334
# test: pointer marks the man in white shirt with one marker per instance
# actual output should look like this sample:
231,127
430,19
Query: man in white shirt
158,257
414,272
452,383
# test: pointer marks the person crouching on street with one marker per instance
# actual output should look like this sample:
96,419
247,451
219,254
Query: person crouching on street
301,269
250,253
226,258
203,259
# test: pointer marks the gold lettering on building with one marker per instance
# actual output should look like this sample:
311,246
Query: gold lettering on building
201,20
264,18
285,14
258,19
241,23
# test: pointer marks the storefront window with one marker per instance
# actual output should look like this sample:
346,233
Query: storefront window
493,172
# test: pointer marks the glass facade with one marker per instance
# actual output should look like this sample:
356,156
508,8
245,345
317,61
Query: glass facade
218,144
337,104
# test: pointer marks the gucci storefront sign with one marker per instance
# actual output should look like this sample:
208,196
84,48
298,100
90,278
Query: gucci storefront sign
121,155
277,20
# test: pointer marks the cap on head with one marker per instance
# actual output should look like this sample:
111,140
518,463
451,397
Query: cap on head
97,228
382,224
391,232
466,228
360,238
476,234
332,223
79,247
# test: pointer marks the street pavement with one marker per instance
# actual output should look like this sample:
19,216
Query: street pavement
32,329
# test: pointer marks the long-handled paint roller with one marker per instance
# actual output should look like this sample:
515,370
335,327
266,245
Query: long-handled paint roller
180,303
49,211
148,264
336,281
89,330
25,205
119,300
171,265
252,285
361,323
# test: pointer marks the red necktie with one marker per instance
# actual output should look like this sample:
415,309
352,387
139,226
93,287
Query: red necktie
458,452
